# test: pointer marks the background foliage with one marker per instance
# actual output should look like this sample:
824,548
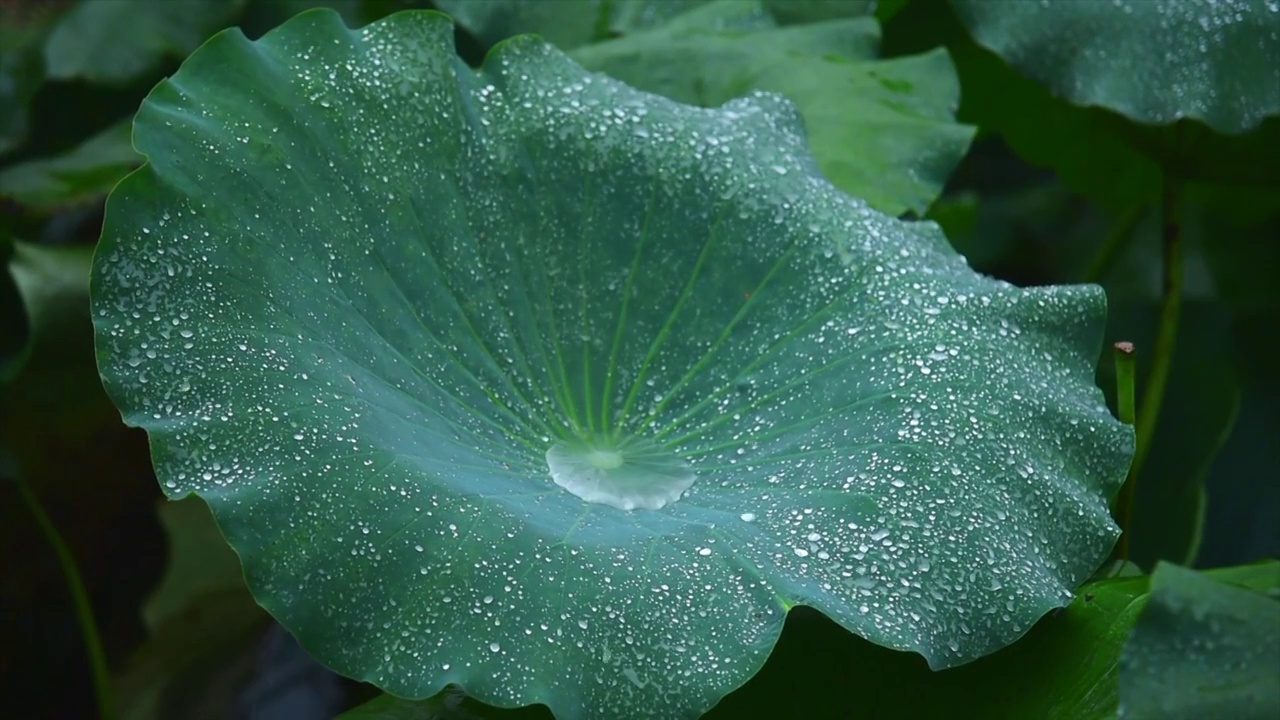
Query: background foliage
1035,174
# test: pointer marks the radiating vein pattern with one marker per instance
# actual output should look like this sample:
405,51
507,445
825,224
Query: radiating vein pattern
488,374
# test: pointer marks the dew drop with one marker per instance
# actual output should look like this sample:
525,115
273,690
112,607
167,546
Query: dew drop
628,475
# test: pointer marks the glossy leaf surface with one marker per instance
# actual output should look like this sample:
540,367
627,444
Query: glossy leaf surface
361,296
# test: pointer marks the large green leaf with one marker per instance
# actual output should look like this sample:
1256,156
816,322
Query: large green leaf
394,319
1202,648
881,130
1154,61
118,41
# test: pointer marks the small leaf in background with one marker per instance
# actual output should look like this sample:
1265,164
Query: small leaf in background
881,130
1203,649
200,562
1155,61
367,326
52,284
203,626
23,26
15,330
119,41
80,176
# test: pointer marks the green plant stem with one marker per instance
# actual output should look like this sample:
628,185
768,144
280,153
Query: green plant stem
1125,406
1126,374
1148,414
1116,241
98,671
1170,314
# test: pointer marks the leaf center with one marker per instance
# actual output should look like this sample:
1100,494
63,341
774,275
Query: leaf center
630,474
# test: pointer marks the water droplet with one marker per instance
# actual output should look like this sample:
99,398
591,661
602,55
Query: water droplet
630,474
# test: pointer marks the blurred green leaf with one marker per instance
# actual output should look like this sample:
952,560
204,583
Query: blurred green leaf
1245,264
22,31
203,624
261,16
15,331
1194,152
887,9
53,284
1083,146
1155,61
881,130
1244,513
1036,235
1204,649
796,12
200,561
1102,155
564,23
82,175
65,441
119,41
